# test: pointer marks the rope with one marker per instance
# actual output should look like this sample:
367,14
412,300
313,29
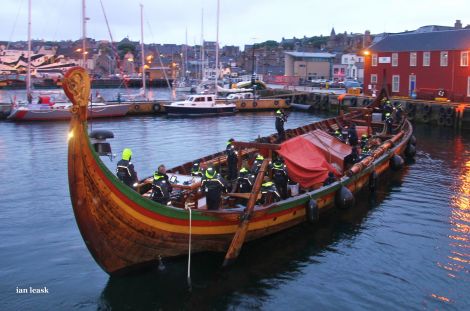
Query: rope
160,60
189,248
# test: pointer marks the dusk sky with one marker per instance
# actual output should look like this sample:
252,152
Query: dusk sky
241,22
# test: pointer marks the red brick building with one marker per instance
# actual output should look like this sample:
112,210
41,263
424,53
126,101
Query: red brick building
431,64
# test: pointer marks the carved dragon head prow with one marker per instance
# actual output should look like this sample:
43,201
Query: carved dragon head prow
76,85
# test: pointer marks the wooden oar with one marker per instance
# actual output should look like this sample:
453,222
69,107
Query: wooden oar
239,238
241,195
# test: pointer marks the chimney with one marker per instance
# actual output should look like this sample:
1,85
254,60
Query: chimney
458,24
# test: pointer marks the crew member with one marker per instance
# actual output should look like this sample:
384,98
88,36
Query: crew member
269,193
351,158
244,181
161,187
281,118
232,160
196,170
364,141
257,164
330,179
125,169
352,135
213,185
387,108
388,122
280,177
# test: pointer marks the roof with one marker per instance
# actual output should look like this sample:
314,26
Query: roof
309,54
427,41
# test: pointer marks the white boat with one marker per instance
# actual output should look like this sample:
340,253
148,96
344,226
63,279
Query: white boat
47,110
199,105
183,86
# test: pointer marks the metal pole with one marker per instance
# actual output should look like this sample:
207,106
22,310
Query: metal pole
84,34
142,47
28,76
202,44
217,48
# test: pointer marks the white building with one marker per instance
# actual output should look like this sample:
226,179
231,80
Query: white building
354,66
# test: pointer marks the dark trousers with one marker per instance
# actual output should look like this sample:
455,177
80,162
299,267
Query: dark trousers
232,172
213,203
281,134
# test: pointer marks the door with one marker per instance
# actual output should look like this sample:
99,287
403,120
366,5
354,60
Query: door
412,85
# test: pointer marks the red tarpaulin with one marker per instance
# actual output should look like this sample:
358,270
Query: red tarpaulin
332,148
306,162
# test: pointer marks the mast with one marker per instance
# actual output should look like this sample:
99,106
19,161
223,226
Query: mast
202,44
217,48
142,47
28,76
84,18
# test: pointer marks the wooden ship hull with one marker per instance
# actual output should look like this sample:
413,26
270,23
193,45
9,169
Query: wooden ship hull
124,230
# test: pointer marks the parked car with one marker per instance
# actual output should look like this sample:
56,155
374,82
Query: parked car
352,84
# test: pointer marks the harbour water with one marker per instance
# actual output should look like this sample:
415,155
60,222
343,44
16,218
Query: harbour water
406,247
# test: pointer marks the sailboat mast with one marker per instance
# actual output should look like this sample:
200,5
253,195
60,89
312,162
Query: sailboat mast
202,44
28,76
142,46
84,18
217,48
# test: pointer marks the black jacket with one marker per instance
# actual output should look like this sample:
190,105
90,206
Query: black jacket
161,188
245,182
213,187
126,173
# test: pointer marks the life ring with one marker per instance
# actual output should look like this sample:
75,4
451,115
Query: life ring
441,120
442,111
427,109
409,107
243,105
317,98
255,104
136,107
449,121
353,101
441,93
157,107
276,103
449,111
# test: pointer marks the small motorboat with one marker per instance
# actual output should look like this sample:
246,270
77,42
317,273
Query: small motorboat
200,105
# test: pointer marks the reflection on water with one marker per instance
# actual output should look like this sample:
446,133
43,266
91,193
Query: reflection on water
404,247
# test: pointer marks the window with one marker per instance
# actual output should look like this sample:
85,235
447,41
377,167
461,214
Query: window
444,58
468,87
464,59
413,59
394,59
373,79
374,60
395,83
426,59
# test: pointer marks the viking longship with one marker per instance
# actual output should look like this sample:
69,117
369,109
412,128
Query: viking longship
124,229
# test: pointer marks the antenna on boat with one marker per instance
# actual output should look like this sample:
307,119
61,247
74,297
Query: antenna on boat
84,19
28,76
142,48
217,48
